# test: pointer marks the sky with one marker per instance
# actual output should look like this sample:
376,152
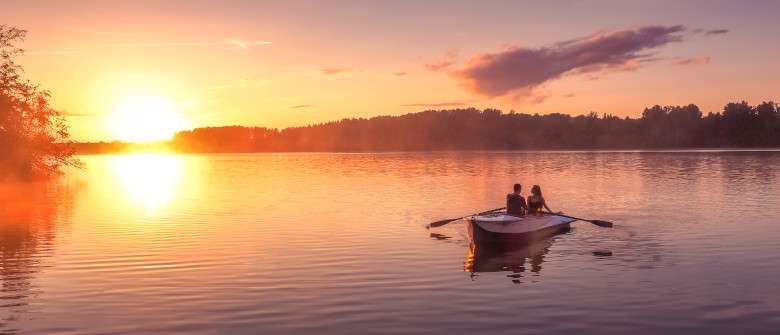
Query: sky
118,69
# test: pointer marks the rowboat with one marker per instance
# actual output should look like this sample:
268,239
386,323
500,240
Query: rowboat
494,227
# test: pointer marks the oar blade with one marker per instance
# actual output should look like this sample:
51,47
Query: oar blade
440,223
602,223
444,222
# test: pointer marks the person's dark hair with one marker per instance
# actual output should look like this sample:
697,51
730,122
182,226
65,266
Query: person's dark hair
518,187
536,190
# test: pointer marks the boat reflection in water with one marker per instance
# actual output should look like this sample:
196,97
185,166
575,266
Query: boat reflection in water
515,256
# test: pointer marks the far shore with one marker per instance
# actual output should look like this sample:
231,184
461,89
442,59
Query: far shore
166,147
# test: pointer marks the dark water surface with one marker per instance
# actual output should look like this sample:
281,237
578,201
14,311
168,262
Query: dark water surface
336,244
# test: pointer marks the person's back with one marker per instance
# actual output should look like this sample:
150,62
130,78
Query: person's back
536,201
515,203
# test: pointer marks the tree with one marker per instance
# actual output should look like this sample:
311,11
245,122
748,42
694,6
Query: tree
685,121
34,138
655,125
769,118
742,124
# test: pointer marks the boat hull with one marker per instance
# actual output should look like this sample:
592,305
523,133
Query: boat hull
502,227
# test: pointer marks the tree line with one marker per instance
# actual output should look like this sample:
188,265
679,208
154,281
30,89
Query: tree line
739,125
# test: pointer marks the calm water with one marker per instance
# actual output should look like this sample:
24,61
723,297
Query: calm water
336,244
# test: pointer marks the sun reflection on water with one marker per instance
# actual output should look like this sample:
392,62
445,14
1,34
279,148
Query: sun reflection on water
150,180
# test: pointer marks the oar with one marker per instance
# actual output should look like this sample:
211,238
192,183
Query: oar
444,222
600,223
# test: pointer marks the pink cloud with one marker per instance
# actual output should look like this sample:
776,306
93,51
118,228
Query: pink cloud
711,31
700,60
445,62
497,74
332,71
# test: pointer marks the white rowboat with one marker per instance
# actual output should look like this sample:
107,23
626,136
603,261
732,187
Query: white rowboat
501,226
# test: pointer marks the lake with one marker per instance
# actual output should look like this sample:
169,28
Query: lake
337,244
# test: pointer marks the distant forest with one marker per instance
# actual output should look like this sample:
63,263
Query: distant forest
739,125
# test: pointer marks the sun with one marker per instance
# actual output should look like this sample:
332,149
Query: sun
145,118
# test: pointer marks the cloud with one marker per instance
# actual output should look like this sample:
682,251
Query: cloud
497,74
570,95
301,106
711,31
437,104
538,98
240,83
448,60
716,32
531,96
439,65
699,60
400,74
332,71
247,44
57,52
235,43
227,43
337,71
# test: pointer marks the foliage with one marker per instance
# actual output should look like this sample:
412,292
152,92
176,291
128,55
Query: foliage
739,125
33,136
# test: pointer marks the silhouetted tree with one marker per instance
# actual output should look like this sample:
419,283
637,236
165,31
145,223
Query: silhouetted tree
33,136
769,119
740,121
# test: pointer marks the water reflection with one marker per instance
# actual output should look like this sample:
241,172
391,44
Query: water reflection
30,216
517,258
513,257
150,180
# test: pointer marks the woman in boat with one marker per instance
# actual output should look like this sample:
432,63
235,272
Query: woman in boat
536,200
515,203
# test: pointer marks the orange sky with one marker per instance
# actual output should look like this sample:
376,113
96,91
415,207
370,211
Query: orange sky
200,63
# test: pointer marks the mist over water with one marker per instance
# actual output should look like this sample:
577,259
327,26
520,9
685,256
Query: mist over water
336,244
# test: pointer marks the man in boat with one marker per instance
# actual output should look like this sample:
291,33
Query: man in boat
515,203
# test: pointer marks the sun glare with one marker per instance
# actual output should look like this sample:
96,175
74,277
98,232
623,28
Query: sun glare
148,179
145,118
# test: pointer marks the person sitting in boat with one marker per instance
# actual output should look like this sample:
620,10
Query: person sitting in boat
536,201
515,203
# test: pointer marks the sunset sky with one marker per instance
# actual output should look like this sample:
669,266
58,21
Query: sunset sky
189,63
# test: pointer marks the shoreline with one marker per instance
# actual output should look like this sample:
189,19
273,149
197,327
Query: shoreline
497,151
